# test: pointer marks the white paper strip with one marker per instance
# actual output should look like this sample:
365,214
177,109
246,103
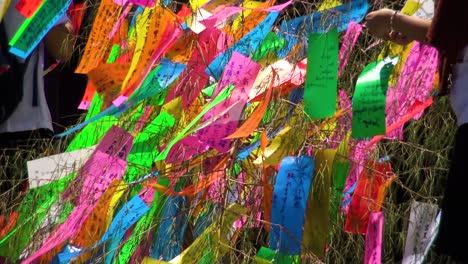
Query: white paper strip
45,170
422,229
426,10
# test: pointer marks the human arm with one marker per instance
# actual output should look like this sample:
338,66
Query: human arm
405,28
60,41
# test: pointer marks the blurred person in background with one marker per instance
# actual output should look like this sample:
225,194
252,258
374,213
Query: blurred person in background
448,32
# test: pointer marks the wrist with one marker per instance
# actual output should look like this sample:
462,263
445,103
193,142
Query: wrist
393,21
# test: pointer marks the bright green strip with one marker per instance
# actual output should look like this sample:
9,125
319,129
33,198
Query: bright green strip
271,43
24,25
267,255
33,209
114,53
320,90
145,146
223,95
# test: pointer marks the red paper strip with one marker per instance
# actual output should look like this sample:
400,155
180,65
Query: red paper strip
368,196
28,7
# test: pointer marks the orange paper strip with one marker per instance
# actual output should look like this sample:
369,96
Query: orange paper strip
96,224
108,76
162,32
98,42
252,123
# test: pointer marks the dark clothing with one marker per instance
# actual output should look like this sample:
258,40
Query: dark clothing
452,229
449,34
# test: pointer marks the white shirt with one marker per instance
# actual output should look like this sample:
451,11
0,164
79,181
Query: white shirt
459,89
26,116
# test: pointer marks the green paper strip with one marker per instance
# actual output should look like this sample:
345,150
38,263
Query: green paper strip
23,27
32,210
271,43
208,91
267,256
145,146
370,97
340,170
223,95
114,54
322,75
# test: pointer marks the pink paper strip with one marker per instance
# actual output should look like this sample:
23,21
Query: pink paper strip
414,84
373,252
119,22
84,105
349,41
120,100
226,12
193,79
185,149
100,170
147,195
145,3
241,71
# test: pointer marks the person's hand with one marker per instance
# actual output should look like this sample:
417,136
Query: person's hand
398,38
378,23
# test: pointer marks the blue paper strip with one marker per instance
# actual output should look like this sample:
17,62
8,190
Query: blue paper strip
168,242
128,215
289,203
319,22
109,111
247,46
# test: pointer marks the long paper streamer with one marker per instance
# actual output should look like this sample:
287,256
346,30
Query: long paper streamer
289,203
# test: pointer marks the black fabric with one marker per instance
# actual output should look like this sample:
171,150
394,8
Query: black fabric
453,230
11,78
